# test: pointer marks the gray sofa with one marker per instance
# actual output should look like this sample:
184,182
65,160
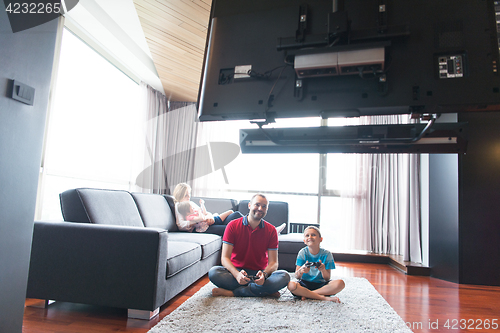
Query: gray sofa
122,249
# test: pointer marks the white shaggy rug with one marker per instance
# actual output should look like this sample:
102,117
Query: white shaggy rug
362,309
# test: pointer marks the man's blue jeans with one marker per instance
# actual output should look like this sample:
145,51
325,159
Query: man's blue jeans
222,278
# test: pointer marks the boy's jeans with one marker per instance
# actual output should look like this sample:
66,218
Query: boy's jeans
222,278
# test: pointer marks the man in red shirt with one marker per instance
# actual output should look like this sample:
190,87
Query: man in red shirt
249,256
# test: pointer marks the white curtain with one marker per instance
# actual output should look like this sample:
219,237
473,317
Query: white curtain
354,213
214,184
381,200
169,149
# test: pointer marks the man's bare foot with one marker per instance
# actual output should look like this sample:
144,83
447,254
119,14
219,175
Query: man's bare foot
222,292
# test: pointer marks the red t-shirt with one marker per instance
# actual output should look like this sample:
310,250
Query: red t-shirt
250,246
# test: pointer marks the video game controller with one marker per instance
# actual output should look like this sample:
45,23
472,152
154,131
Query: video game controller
252,277
315,264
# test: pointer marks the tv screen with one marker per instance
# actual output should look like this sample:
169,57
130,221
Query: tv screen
268,59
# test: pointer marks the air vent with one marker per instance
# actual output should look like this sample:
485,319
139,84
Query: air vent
340,63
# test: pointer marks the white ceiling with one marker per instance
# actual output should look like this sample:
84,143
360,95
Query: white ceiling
112,27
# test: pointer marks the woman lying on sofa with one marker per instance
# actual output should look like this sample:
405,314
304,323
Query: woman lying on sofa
194,217
189,216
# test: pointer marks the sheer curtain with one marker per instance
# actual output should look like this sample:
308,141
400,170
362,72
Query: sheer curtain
353,207
214,184
167,154
383,196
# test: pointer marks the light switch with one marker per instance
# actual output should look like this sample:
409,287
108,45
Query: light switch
23,93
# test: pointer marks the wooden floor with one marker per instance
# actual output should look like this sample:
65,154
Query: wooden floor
426,304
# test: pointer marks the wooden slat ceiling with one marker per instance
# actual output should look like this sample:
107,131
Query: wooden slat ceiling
176,32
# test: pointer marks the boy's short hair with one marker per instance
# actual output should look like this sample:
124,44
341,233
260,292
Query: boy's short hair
184,208
313,227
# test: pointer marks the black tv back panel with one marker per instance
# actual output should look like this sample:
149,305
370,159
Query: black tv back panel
289,58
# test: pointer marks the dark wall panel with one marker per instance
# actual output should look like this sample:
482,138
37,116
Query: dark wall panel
26,56
443,217
480,201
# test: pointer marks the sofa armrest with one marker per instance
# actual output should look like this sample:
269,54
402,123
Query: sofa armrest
115,266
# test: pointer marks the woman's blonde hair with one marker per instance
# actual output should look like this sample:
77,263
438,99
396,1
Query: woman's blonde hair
180,191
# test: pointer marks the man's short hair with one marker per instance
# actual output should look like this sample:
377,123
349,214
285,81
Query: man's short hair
314,228
259,195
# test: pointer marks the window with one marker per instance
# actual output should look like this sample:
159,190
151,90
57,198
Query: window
311,183
282,177
92,126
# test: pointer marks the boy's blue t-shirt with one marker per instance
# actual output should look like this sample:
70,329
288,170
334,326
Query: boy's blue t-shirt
314,274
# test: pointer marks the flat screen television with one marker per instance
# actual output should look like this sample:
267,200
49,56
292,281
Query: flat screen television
268,59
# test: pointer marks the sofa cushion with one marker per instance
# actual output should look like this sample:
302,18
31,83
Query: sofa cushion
209,243
155,211
110,207
181,255
277,213
291,243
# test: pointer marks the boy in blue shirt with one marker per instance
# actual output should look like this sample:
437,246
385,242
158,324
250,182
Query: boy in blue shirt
314,265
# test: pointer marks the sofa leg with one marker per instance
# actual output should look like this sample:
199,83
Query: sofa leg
143,314
42,304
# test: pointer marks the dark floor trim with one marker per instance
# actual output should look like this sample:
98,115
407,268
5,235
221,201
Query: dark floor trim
409,268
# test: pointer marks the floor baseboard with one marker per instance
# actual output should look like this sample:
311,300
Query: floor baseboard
396,261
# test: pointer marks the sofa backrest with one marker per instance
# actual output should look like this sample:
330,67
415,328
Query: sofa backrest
156,210
111,207
217,205
72,207
277,212
115,207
